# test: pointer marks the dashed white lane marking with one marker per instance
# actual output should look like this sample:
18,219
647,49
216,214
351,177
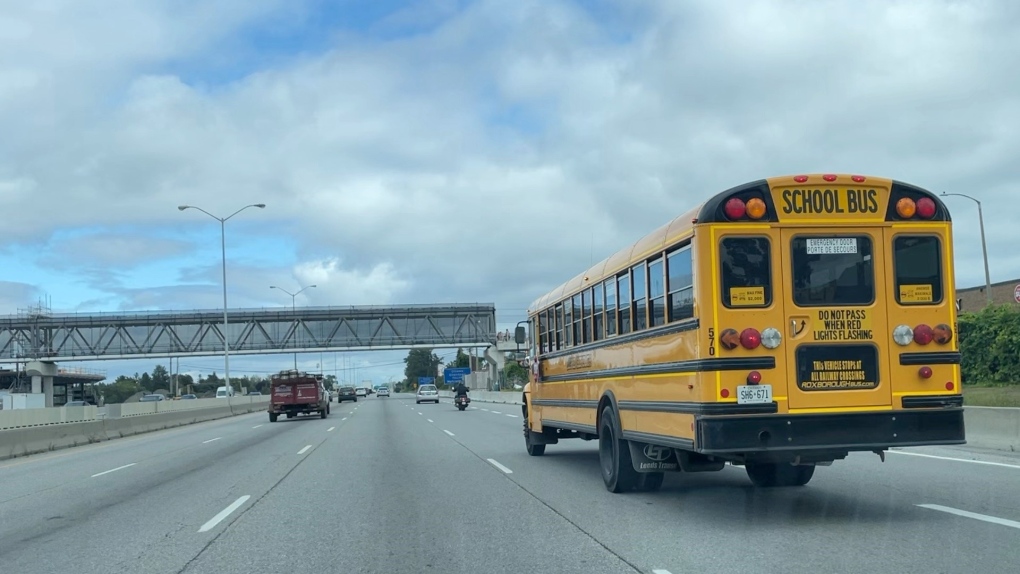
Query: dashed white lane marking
212,439
448,432
954,459
499,466
330,429
113,470
512,416
256,426
974,515
304,450
430,420
223,514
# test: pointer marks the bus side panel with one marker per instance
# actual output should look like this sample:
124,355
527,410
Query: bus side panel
940,315
672,425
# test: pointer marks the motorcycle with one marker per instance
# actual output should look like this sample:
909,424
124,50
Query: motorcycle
461,402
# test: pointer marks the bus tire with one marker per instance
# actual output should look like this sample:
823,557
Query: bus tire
614,456
529,444
768,475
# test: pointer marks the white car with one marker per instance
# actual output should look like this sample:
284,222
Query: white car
361,392
427,394
383,392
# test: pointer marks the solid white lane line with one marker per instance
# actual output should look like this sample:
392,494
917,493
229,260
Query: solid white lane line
330,429
212,439
974,515
256,426
430,420
499,466
512,416
448,432
304,450
113,470
955,459
223,514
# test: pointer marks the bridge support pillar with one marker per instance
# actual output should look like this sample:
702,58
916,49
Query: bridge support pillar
42,374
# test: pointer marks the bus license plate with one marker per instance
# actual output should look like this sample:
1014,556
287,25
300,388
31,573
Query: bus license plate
754,394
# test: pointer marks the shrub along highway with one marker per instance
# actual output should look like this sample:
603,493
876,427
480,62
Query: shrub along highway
384,485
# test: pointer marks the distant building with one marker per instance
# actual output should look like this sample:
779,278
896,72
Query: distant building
973,299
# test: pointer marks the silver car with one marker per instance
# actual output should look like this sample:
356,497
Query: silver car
383,392
427,394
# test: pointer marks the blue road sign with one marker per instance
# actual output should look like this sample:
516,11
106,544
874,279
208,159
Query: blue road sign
455,374
426,380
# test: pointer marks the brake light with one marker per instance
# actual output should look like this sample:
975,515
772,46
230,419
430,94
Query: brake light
750,338
735,208
924,372
942,333
829,177
925,208
906,208
755,208
923,334
753,378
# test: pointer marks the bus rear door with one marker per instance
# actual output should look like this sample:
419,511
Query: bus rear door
835,299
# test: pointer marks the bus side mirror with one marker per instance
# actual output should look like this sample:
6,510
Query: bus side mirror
520,335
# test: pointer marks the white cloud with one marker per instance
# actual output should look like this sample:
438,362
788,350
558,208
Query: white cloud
493,153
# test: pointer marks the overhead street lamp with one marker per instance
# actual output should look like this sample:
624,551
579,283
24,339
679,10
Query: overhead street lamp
984,246
293,307
223,251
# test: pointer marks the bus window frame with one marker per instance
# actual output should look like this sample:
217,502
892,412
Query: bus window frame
941,271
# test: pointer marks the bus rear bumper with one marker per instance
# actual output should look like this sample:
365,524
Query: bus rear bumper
846,432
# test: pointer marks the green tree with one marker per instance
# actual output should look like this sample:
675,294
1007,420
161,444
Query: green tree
119,390
160,377
147,383
462,360
420,363
515,373
990,345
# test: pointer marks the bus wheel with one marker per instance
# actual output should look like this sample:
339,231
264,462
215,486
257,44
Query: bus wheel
651,481
614,456
779,474
533,449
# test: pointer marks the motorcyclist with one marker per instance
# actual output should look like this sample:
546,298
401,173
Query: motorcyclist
460,390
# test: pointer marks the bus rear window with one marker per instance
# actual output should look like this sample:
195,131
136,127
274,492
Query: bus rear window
918,262
833,270
746,272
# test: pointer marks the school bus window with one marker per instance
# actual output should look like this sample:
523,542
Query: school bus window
541,334
638,275
833,270
746,272
577,320
586,309
598,310
918,261
610,287
548,331
680,284
656,293
623,313
568,324
558,315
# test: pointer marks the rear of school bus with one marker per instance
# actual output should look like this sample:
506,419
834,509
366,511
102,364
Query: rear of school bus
833,301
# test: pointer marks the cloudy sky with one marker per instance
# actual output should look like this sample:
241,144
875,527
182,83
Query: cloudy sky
456,151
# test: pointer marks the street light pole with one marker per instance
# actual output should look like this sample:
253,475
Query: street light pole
293,308
984,246
223,252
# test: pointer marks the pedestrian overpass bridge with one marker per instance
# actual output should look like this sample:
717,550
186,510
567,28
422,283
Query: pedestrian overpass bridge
38,335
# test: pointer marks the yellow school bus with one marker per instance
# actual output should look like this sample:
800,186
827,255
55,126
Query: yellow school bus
778,326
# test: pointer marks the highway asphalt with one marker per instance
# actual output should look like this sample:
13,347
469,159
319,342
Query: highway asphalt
384,485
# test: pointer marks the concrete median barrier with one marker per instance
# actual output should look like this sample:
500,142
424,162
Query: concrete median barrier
140,418
993,427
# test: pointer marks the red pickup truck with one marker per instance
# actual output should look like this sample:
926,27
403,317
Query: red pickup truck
296,392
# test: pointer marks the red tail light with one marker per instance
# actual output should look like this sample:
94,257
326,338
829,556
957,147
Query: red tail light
923,334
753,378
750,338
735,208
925,208
924,372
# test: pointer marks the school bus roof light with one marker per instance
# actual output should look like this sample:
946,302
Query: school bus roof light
756,208
858,178
750,338
903,335
829,177
925,208
906,208
771,338
800,178
735,209
923,334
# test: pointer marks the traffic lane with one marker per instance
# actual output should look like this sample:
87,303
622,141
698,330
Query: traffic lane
26,475
852,511
150,514
403,497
